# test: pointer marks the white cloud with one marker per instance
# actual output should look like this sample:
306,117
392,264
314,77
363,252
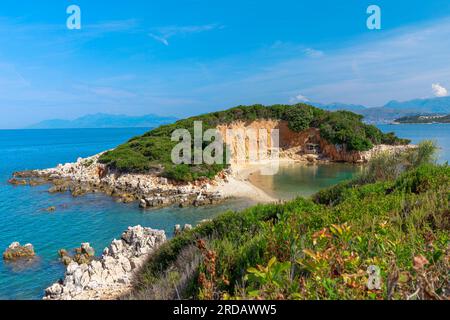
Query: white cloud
313,53
438,90
163,34
298,98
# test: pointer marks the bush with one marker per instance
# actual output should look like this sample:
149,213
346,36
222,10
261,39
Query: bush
299,119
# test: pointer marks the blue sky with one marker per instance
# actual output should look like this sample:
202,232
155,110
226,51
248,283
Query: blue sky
188,57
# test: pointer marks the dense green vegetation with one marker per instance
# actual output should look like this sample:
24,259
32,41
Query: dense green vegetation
153,149
396,219
424,119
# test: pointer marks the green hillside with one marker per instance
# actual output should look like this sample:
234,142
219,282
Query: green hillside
395,216
153,149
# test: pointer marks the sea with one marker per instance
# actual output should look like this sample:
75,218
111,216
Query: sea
98,219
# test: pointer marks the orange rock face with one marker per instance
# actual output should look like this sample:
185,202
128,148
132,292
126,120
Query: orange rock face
302,146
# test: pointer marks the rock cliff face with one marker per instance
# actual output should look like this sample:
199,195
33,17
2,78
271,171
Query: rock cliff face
111,275
301,146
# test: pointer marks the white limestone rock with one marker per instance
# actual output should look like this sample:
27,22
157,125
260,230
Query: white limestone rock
113,272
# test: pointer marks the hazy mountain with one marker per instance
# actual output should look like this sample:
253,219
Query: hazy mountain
102,120
433,105
394,109
340,106
385,114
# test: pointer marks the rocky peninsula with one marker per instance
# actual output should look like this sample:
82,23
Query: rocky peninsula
87,175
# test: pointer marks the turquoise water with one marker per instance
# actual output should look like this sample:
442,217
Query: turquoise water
97,218
296,179
94,218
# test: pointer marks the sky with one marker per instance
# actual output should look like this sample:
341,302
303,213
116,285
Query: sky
182,58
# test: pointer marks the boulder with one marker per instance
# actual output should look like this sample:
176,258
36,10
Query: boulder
87,249
143,203
83,255
16,251
177,230
163,181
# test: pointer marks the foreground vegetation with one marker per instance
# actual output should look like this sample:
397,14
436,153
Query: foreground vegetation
153,149
395,216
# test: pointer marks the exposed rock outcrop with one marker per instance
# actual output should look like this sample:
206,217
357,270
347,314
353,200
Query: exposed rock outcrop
111,275
149,190
16,251
82,255
177,230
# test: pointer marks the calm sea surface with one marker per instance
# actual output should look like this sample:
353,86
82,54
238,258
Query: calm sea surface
98,219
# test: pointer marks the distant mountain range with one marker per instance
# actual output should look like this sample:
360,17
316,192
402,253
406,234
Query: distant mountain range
394,109
102,120
385,114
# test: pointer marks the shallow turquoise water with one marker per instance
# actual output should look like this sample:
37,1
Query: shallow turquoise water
299,179
97,218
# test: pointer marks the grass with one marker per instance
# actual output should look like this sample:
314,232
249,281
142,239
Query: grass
321,248
152,151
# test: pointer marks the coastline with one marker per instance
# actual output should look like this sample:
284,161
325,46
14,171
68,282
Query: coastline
87,175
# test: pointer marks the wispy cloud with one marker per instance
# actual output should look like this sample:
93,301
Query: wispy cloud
370,70
313,53
163,34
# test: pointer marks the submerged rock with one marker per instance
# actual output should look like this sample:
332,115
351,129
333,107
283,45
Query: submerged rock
112,274
17,182
15,251
84,254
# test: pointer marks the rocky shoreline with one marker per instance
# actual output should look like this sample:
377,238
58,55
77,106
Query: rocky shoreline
150,190
110,276
87,175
